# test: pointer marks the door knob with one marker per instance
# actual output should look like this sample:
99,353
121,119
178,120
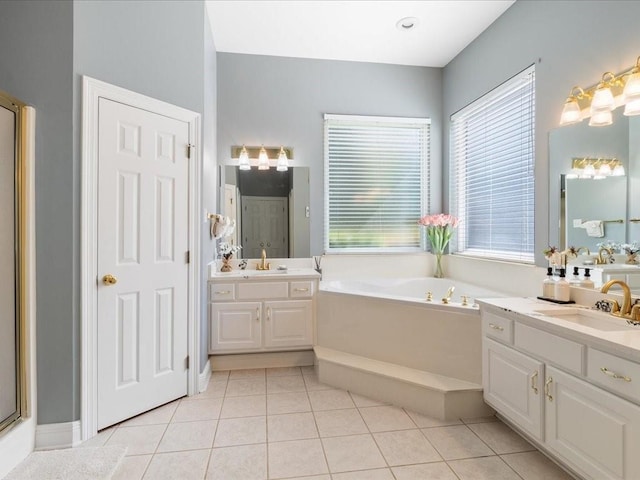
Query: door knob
109,279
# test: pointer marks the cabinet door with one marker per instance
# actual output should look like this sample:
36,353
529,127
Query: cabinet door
234,326
594,430
513,385
288,323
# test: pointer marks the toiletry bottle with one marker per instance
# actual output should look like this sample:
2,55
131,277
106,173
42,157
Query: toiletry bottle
575,280
563,290
586,281
549,285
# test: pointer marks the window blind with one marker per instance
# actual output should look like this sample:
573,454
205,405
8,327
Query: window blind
376,171
492,172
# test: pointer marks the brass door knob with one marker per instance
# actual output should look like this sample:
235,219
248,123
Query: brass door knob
109,279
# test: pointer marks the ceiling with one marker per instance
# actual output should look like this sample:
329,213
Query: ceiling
360,30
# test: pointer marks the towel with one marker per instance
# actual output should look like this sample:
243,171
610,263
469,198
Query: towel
595,228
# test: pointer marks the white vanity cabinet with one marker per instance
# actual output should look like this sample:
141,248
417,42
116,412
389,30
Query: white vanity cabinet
256,315
552,386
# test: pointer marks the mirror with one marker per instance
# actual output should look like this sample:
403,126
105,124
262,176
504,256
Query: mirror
271,211
611,199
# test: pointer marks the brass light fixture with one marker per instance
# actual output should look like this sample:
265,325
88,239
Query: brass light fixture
262,157
598,102
596,168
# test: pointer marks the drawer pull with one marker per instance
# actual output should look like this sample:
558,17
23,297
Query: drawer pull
222,292
258,314
615,375
268,313
300,289
547,388
496,327
534,382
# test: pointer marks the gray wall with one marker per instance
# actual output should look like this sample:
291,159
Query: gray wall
36,66
572,43
281,101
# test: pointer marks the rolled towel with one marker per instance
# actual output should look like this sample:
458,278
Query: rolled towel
595,228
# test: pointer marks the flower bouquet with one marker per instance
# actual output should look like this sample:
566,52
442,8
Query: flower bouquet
227,250
439,230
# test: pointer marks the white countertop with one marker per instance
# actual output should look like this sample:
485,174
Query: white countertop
289,274
531,311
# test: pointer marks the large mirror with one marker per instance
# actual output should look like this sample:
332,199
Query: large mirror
614,201
271,210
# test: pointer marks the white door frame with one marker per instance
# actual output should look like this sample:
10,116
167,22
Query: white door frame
92,91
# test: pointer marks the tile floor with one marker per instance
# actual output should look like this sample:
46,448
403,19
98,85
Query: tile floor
282,423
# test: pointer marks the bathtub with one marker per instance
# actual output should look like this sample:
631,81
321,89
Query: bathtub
387,324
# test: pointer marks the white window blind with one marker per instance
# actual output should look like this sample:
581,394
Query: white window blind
492,172
376,179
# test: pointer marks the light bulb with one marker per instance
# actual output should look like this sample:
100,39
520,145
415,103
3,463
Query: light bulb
618,170
570,112
602,99
263,160
632,87
243,160
604,170
283,161
632,107
601,118
589,170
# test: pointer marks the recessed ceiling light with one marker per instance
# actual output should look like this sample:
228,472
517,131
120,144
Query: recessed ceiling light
407,23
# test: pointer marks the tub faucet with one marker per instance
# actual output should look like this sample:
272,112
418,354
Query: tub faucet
447,296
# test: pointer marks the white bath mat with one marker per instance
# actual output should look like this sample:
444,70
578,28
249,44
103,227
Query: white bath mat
97,463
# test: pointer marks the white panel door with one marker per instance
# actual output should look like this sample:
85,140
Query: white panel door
288,323
235,326
142,244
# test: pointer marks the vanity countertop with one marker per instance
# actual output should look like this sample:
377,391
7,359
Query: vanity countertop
539,313
289,274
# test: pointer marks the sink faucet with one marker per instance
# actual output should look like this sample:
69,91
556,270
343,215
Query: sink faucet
625,310
600,260
579,249
263,265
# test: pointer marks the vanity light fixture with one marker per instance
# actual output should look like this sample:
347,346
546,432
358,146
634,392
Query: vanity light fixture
596,168
262,157
243,160
599,102
283,161
263,160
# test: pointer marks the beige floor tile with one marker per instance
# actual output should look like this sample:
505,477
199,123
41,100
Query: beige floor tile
378,474
501,438
330,400
245,462
156,416
423,421
100,439
386,418
132,468
490,418
354,452
241,431
219,376
139,439
456,442
314,384
406,447
535,466
309,370
285,384
249,406
311,477
288,403
430,471
297,458
486,468
333,423
246,386
283,372
178,465
214,390
361,401
247,373
188,436
291,426
196,410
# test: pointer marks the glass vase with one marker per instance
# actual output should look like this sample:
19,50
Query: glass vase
226,264
438,273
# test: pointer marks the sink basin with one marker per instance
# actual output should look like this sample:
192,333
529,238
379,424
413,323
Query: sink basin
589,318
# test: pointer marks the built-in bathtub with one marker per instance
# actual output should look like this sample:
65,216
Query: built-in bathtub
372,329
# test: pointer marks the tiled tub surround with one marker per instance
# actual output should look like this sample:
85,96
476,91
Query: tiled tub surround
283,423
569,384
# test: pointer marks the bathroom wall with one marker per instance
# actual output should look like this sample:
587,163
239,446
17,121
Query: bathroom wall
277,100
571,43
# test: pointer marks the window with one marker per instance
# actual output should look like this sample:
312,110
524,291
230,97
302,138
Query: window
376,177
492,172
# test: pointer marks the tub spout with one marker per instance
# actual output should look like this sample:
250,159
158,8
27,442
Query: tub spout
447,297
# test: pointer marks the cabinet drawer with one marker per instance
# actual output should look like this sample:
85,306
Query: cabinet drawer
221,291
497,327
301,289
260,291
616,374
558,350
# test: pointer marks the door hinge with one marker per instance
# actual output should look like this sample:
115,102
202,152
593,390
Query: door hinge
186,362
189,147
187,257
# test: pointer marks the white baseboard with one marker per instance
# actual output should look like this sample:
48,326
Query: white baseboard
205,376
58,435
238,361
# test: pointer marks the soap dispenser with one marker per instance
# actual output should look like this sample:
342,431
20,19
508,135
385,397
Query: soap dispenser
562,290
549,285
575,280
586,281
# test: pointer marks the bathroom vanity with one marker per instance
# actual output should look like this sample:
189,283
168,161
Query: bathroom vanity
254,311
568,378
